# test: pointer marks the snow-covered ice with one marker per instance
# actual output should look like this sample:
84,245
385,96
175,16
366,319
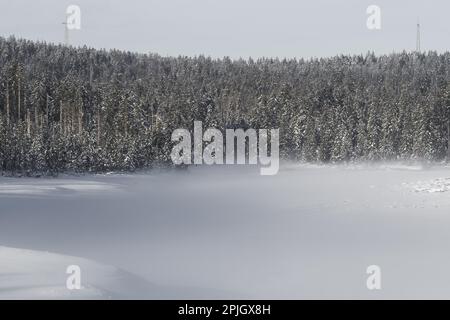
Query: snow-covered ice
27,186
308,232
435,185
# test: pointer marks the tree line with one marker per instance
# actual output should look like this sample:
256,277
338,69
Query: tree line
85,110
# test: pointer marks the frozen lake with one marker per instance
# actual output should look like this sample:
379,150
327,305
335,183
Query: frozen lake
308,232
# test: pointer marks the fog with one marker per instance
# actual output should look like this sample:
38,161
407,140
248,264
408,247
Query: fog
228,232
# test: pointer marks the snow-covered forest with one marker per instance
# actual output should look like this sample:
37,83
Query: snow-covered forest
86,110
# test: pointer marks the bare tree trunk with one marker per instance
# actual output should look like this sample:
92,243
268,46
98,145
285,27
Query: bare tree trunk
18,102
151,122
61,117
47,110
28,122
126,123
98,126
36,118
7,103
80,119
71,127
91,74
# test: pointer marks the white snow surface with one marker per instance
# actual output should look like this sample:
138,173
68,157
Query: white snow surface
226,232
30,274
27,274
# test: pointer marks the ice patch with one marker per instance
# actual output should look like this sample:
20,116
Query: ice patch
388,166
432,186
400,166
47,187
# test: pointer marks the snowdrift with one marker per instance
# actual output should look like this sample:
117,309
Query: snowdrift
27,274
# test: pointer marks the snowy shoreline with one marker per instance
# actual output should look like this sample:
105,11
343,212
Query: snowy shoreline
284,165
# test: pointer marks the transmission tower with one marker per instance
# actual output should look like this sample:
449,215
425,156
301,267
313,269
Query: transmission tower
66,33
418,36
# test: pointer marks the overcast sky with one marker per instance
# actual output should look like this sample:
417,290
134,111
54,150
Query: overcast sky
235,28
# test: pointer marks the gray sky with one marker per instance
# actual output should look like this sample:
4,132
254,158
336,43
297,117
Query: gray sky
236,28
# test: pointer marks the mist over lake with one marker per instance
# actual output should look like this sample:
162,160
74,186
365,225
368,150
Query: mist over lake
228,232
